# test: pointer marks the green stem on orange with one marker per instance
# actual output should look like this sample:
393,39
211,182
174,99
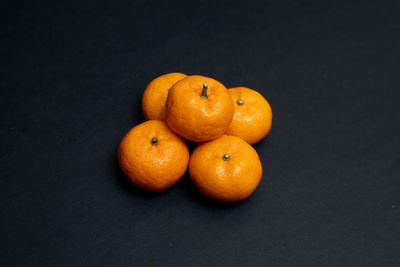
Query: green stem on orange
154,141
204,93
226,157
240,102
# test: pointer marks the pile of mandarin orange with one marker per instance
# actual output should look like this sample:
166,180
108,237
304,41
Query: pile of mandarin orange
225,122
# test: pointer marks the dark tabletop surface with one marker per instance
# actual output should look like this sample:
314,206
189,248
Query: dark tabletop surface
72,75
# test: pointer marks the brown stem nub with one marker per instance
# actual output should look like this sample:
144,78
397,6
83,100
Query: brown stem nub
204,93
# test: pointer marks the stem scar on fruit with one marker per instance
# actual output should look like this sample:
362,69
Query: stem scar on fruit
204,93
226,157
154,141
240,102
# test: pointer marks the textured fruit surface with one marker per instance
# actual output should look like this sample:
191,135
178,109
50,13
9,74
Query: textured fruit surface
252,117
152,156
225,169
155,95
195,117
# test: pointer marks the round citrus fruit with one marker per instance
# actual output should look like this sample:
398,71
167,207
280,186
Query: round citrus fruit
153,99
225,169
198,108
152,156
252,118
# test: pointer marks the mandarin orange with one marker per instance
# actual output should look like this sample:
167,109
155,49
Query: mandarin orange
153,157
153,98
252,117
198,108
225,169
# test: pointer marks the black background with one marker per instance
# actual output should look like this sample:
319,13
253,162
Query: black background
72,75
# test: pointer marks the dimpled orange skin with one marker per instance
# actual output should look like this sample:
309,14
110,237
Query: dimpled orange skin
153,167
231,180
252,120
194,117
153,99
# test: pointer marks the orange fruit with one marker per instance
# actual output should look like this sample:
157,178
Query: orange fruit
225,169
198,108
252,118
152,156
153,99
